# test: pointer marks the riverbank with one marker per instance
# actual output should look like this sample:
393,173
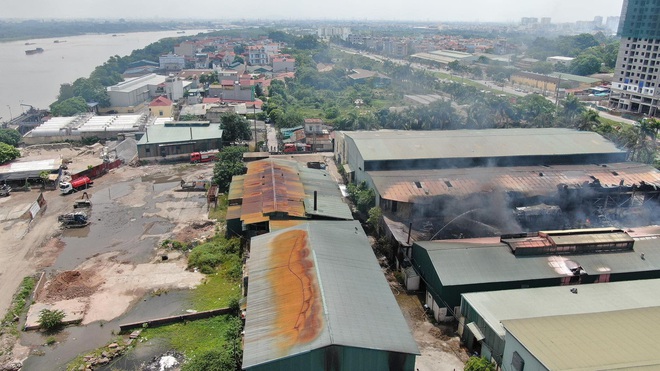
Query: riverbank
31,30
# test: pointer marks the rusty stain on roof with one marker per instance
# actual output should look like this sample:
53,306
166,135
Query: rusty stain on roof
297,297
271,187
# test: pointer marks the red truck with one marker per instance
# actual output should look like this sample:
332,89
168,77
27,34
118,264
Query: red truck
75,185
197,157
297,147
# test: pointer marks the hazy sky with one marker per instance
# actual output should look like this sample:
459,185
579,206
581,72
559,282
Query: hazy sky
421,10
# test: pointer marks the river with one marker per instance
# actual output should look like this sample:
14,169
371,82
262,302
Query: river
35,79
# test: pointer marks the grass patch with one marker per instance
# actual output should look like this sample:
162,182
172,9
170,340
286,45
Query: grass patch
217,291
220,213
195,337
18,305
219,251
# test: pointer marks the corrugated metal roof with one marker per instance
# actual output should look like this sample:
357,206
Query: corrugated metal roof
315,285
276,186
158,134
400,185
460,262
401,145
626,339
497,306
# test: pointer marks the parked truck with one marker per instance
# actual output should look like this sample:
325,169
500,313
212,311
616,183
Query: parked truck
197,157
297,147
75,185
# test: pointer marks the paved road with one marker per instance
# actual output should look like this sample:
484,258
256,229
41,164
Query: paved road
271,137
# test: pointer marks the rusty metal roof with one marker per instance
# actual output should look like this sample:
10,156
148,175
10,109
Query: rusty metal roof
407,185
280,189
315,285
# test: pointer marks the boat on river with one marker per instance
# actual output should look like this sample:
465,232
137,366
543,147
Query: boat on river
34,51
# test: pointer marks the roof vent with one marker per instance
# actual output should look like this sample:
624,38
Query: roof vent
448,184
418,184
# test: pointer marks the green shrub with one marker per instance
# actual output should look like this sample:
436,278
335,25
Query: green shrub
51,320
213,360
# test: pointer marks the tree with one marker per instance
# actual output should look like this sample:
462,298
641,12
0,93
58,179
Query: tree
479,364
8,153
571,109
230,164
10,136
239,49
69,107
585,65
588,120
51,320
234,128
544,68
307,42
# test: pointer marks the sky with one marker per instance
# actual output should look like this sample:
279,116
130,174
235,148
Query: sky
419,10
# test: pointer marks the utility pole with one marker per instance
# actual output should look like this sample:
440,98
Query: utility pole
557,92
254,113
11,118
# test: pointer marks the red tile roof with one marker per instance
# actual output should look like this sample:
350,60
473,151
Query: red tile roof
161,101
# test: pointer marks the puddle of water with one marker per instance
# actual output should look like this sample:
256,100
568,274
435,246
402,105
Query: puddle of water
81,339
114,227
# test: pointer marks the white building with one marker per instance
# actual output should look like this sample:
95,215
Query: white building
136,91
566,61
329,32
284,64
172,62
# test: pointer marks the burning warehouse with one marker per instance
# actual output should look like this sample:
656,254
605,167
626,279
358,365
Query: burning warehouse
450,268
476,183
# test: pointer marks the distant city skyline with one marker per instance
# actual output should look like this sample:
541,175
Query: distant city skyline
416,10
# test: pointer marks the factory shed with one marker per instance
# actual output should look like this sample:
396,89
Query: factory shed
450,268
23,170
174,140
400,191
484,312
277,190
385,150
317,300
617,340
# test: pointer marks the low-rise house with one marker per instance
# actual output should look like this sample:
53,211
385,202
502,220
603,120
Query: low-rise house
161,107
284,64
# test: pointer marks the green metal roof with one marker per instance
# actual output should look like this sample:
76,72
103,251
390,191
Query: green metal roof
577,78
464,262
315,285
497,306
159,134
402,145
626,339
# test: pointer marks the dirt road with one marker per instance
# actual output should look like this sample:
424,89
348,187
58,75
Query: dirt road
116,260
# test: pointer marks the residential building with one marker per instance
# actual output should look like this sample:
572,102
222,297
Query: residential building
612,24
177,140
284,64
257,55
317,300
635,88
186,49
161,107
529,21
172,62
330,32
233,90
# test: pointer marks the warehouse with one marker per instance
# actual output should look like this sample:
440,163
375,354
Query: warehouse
278,193
592,341
177,140
386,150
482,313
317,300
453,267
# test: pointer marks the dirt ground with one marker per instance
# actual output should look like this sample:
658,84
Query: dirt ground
439,346
105,284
